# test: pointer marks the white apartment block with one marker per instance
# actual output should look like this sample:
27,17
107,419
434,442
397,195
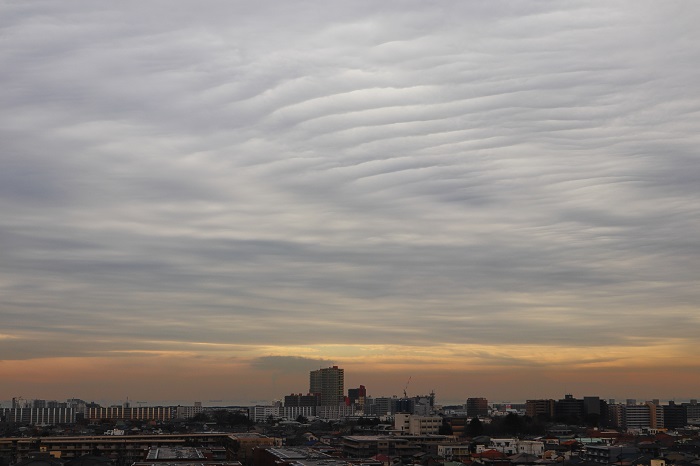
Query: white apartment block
188,412
261,413
509,446
293,412
339,411
450,452
531,447
512,446
410,424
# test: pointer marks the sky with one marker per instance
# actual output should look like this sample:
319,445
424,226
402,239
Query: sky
487,198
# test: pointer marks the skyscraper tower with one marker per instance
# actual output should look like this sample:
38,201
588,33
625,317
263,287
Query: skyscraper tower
329,385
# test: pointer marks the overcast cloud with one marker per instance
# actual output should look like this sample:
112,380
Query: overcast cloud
276,174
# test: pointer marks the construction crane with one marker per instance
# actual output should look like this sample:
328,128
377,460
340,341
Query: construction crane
405,395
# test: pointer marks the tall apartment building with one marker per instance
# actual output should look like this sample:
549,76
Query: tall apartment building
424,405
675,416
358,396
636,416
591,405
402,405
615,416
544,408
568,408
378,406
477,407
296,405
656,414
329,385
692,410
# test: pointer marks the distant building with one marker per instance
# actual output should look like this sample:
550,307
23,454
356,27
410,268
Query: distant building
636,416
402,405
338,411
656,415
301,400
188,412
357,396
591,405
412,424
261,413
424,405
675,416
380,406
568,409
692,411
38,416
144,413
615,414
300,405
477,407
540,408
328,384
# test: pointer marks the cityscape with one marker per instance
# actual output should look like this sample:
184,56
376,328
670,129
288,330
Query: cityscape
351,233
349,427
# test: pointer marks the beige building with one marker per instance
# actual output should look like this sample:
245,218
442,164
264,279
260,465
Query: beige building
410,424
329,385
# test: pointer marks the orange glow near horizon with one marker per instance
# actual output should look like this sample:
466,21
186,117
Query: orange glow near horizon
454,371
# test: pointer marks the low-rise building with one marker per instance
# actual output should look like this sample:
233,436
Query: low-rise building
131,448
144,413
454,452
531,447
38,416
367,446
410,424
607,454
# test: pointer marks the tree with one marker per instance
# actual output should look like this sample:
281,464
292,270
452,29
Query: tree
475,427
200,417
512,424
302,419
592,420
221,417
445,428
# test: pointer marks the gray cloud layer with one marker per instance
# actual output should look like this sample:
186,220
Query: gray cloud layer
288,173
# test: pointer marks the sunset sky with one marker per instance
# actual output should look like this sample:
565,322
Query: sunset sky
206,200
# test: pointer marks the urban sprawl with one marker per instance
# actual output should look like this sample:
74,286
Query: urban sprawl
328,426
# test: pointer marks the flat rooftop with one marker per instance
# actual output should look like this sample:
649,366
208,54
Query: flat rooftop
174,453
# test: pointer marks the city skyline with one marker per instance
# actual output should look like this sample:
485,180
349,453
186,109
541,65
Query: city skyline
493,199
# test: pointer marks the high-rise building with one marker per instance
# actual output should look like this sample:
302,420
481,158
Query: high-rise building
357,396
692,410
540,408
477,407
637,416
301,400
615,415
675,416
568,409
328,384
